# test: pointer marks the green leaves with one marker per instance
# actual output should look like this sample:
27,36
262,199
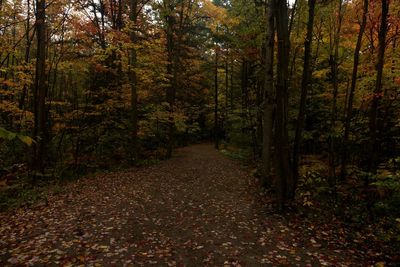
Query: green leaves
4,134
9,136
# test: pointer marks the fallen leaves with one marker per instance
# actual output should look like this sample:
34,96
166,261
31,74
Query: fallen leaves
197,209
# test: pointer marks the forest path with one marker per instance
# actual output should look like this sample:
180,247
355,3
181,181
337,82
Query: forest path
199,208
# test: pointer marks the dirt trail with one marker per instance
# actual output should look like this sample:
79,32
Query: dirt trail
197,209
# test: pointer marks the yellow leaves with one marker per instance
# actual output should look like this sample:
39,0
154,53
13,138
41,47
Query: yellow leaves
25,139
218,15
307,203
7,93
103,247
57,103
320,73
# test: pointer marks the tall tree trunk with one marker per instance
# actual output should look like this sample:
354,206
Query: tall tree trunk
226,85
40,88
292,13
231,87
305,83
335,83
27,51
171,70
112,14
373,116
260,96
120,22
349,110
244,89
284,179
216,123
102,12
268,94
133,81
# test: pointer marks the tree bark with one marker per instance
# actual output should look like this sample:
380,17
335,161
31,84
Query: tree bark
226,85
305,83
284,178
269,94
244,93
133,81
171,70
231,85
349,110
377,95
216,123
335,83
27,51
40,88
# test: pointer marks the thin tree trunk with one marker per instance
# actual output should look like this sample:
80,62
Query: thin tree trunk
244,88
292,16
349,110
113,15
216,123
231,78
171,91
373,117
133,81
268,95
40,88
226,85
305,83
335,83
119,17
27,52
103,22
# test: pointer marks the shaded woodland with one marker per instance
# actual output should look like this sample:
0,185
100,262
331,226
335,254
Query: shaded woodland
306,94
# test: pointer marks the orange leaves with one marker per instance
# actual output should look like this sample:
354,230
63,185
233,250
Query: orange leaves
100,68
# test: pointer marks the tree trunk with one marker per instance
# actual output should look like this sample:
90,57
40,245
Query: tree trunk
171,70
335,83
27,52
292,13
119,16
40,88
284,180
216,123
232,88
226,85
268,95
244,88
133,80
373,117
305,83
349,110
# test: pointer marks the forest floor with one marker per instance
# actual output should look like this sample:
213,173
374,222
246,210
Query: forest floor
197,209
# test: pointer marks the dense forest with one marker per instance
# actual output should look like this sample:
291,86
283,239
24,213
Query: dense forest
304,94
